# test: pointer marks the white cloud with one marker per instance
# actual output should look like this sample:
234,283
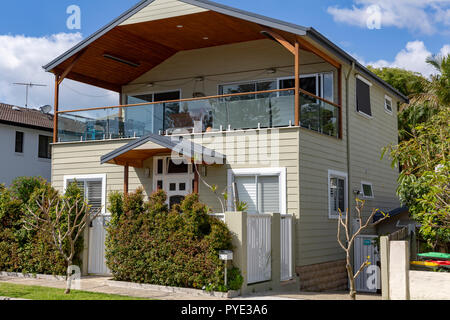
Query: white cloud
412,57
21,60
424,16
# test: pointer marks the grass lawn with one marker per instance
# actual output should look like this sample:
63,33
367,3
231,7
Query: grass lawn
45,293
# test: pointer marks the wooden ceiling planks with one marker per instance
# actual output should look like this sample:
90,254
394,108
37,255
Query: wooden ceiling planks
136,158
151,43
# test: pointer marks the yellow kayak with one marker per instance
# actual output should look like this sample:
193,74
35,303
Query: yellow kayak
424,263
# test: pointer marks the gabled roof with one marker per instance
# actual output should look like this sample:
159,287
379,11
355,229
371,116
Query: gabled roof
182,146
25,117
245,15
235,13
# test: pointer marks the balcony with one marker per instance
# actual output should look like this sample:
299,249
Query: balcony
241,111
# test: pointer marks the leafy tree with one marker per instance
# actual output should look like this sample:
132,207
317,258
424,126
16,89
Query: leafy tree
407,82
423,184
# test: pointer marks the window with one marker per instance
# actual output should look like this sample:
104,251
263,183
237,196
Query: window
388,104
19,142
93,189
320,84
251,86
263,190
179,167
337,193
154,97
367,190
154,119
363,96
45,147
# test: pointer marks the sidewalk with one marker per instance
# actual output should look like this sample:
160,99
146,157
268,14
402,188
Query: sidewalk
98,284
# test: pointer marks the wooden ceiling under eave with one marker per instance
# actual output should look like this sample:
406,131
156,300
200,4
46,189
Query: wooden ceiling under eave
151,43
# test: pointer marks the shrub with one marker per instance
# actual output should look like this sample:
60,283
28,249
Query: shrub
27,251
147,243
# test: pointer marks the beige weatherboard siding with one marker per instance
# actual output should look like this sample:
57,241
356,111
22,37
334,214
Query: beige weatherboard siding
162,9
83,158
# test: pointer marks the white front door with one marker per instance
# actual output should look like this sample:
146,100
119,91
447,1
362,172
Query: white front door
174,177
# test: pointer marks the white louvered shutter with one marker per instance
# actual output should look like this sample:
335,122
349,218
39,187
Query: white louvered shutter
246,189
94,194
268,194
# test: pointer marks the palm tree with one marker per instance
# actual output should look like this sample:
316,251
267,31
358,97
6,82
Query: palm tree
425,104
437,91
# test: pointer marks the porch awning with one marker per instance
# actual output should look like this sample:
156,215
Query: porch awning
136,152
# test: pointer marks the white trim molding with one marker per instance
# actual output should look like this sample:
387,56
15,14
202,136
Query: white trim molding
388,98
342,175
90,177
280,172
363,80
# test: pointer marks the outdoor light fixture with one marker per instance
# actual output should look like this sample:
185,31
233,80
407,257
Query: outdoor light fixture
151,84
179,26
199,79
127,62
271,70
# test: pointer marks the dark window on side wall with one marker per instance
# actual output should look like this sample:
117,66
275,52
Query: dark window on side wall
363,97
19,142
44,147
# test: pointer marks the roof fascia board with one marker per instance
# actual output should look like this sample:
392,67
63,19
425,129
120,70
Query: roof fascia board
24,125
83,44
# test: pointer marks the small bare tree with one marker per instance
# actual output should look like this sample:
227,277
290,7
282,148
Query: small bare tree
65,219
350,236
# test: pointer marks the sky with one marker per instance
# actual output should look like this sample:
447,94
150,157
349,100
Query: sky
382,33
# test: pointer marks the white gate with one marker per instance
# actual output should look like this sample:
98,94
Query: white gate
286,247
258,248
97,235
365,246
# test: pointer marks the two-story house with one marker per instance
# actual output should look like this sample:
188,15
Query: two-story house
25,140
272,113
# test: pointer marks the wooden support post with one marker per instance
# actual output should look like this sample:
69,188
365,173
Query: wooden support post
125,179
196,179
56,109
297,83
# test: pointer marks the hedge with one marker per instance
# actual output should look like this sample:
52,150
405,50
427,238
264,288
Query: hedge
148,243
29,251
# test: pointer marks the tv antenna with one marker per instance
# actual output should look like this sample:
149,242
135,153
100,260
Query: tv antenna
29,86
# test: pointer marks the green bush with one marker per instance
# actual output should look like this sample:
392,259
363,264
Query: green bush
29,251
147,243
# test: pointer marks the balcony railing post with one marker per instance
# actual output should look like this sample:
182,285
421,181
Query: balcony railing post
55,110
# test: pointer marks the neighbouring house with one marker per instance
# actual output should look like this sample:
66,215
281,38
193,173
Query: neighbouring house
272,113
25,141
